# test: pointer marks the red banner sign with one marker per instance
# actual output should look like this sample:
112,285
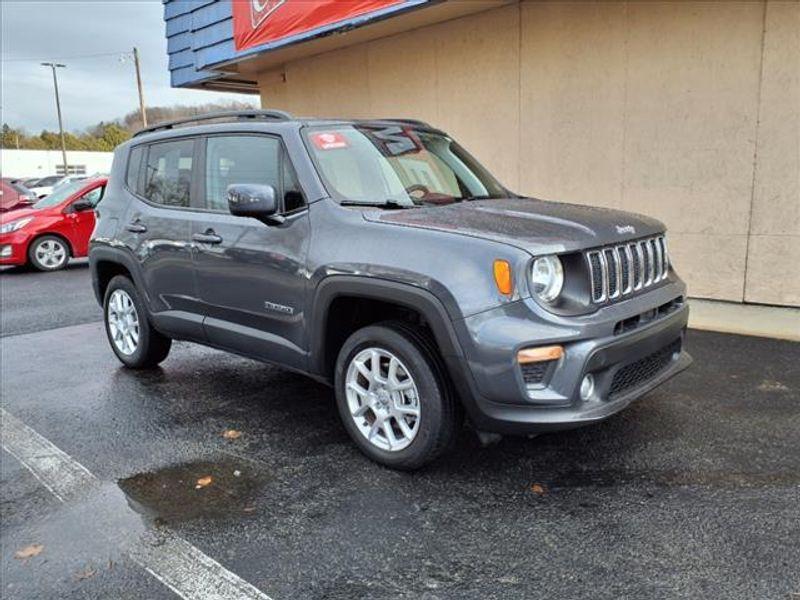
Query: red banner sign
257,22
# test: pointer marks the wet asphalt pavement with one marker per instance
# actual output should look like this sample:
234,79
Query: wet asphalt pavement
693,492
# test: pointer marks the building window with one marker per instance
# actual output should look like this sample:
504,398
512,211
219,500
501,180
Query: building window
71,169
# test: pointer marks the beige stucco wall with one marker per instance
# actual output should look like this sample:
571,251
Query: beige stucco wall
689,112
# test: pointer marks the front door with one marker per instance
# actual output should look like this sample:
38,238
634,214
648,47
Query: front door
251,276
82,221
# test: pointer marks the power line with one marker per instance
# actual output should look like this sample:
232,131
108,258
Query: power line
103,54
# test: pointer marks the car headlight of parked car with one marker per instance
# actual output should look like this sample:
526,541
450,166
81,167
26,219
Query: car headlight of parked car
15,225
547,278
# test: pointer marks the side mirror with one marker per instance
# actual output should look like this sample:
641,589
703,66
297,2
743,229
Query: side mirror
254,200
81,206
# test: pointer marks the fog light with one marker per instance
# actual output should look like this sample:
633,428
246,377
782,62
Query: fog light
5,251
587,387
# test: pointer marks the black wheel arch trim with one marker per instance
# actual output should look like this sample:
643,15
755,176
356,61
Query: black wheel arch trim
418,299
99,254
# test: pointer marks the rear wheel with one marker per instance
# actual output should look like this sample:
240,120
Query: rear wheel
393,396
132,337
48,253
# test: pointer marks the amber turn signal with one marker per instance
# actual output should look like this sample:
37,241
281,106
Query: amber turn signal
534,355
502,277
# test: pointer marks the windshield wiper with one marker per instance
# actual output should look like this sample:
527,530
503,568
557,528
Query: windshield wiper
471,198
391,204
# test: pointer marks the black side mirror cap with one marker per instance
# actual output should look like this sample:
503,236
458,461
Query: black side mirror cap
254,200
81,206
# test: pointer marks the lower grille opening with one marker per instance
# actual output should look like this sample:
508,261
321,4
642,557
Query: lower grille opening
644,318
643,370
536,373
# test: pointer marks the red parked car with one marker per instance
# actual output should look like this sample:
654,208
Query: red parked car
13,195
54,229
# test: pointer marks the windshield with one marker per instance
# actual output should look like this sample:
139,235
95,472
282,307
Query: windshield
60,194
397,166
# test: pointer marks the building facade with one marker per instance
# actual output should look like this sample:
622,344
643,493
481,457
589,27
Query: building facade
27,164
689,112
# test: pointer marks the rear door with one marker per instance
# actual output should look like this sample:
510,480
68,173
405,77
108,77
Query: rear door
251,276
158,228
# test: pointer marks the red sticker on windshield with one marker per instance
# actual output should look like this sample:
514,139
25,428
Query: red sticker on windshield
329,140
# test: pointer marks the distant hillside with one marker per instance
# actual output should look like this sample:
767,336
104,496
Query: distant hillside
105,136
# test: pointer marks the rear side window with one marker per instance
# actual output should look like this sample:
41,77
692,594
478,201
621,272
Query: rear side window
168,173
248,159
132,178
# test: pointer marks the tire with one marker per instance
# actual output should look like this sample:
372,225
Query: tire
137,346
367,415
48,253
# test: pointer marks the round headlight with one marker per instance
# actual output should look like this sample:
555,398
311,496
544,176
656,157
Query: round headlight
547,278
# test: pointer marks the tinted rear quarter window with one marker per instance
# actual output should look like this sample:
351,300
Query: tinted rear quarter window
132,179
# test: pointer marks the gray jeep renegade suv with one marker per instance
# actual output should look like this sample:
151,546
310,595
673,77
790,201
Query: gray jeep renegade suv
381,258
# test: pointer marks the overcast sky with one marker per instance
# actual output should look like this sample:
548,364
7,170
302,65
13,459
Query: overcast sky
92,89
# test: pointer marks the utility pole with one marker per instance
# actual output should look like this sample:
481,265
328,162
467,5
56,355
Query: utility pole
139,85
54,66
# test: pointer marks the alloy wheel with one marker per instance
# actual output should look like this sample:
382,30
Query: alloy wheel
123,322
382,398
50,253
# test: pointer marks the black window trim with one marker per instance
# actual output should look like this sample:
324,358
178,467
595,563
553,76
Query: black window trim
282,156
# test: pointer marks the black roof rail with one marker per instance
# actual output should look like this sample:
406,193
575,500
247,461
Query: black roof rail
231,115
415,122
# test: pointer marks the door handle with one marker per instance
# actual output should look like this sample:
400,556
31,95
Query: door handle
209,237
136,227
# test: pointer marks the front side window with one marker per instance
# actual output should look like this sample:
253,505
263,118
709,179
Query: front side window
94,196
253,159
398,166
168,173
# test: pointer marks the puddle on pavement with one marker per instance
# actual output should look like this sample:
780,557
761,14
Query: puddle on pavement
184,492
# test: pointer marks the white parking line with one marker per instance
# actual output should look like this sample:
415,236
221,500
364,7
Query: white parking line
171,560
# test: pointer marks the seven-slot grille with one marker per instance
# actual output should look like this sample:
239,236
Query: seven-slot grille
619,270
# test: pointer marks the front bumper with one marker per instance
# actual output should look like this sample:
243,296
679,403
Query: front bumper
14,248
625,365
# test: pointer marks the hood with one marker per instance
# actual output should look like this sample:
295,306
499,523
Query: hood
20,213
538,226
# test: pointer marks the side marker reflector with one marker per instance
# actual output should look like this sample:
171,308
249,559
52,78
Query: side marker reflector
502,277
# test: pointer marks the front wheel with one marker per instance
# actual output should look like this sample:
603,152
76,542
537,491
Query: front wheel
393,395
48,253
132,337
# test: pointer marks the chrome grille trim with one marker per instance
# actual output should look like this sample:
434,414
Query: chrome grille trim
648,263
664,256
612,271
627,268
659,260
597,291
627,284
